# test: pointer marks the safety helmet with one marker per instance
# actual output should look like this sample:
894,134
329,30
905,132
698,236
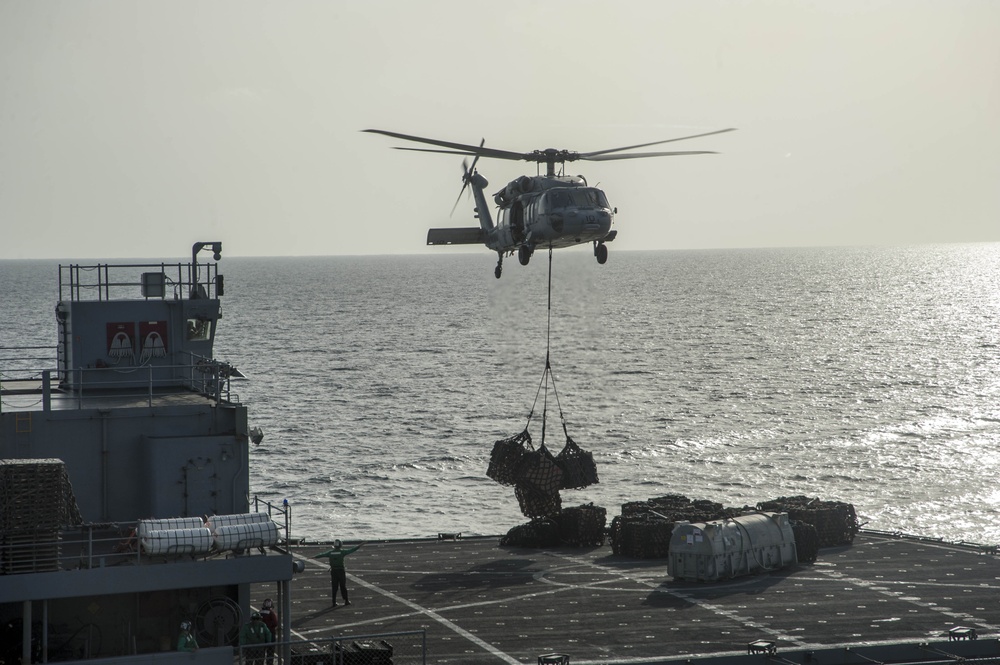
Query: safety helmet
267,602
185,625
255,615
337,543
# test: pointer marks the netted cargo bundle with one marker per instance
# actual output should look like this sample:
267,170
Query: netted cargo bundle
537,504
643,537
633,508
542,532
677,508
836,522
669,503
505,460
706,506
538,470
35,494
806,541
578,467
582,526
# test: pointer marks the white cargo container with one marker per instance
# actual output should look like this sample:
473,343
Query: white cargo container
216,521
712,551
244,536
169,524
177,541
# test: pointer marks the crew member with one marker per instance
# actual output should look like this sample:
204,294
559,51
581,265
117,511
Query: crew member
338,574
186,640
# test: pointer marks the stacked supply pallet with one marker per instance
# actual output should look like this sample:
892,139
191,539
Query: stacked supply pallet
582,526
36,502
644,528
836,523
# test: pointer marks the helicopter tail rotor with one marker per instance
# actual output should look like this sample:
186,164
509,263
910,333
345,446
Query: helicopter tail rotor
467,172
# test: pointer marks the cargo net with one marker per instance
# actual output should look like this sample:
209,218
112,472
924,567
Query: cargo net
578,467
836,523
535,473
582,526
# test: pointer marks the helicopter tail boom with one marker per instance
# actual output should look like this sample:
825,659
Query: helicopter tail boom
470,235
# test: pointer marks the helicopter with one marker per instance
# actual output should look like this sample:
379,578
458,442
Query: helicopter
552,210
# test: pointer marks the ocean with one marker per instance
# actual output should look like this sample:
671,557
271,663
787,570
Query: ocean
868,375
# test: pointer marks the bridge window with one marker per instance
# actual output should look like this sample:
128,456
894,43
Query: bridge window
198,329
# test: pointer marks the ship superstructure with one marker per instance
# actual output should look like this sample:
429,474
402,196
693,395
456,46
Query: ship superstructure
121,465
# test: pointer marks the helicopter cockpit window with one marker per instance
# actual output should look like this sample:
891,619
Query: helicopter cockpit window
585,197
559,199
198,329
598,198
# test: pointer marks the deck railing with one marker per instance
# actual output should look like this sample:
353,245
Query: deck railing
23,387
99,545
106,281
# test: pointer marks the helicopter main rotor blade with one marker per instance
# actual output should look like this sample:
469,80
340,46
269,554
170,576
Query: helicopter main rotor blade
590,155
639,155
443,152
464,149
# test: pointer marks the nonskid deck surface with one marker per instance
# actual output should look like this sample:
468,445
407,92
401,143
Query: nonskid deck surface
483,603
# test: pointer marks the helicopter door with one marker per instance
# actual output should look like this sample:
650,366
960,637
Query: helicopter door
517,222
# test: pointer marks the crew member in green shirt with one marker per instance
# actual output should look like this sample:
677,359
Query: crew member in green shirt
186,641
253,634
338,574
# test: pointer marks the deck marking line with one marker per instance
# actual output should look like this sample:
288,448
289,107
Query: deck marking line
452,608
913,600
715,609
489,648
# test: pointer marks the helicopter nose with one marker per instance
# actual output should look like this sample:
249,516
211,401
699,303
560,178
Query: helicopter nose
596,222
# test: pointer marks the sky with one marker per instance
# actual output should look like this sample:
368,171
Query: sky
134,129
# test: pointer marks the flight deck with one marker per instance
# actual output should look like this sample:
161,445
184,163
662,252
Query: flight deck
481,603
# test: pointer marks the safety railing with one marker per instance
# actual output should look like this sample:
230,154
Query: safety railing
102,545
85,387
281,514
119,281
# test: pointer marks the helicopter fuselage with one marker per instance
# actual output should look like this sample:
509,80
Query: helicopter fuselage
542,211
533,212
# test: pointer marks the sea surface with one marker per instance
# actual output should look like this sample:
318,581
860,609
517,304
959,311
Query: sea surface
866,375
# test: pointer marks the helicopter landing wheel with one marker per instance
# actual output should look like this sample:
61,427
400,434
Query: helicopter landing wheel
601,252
498,271
523,255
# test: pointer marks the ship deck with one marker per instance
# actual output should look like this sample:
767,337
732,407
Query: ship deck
483,603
